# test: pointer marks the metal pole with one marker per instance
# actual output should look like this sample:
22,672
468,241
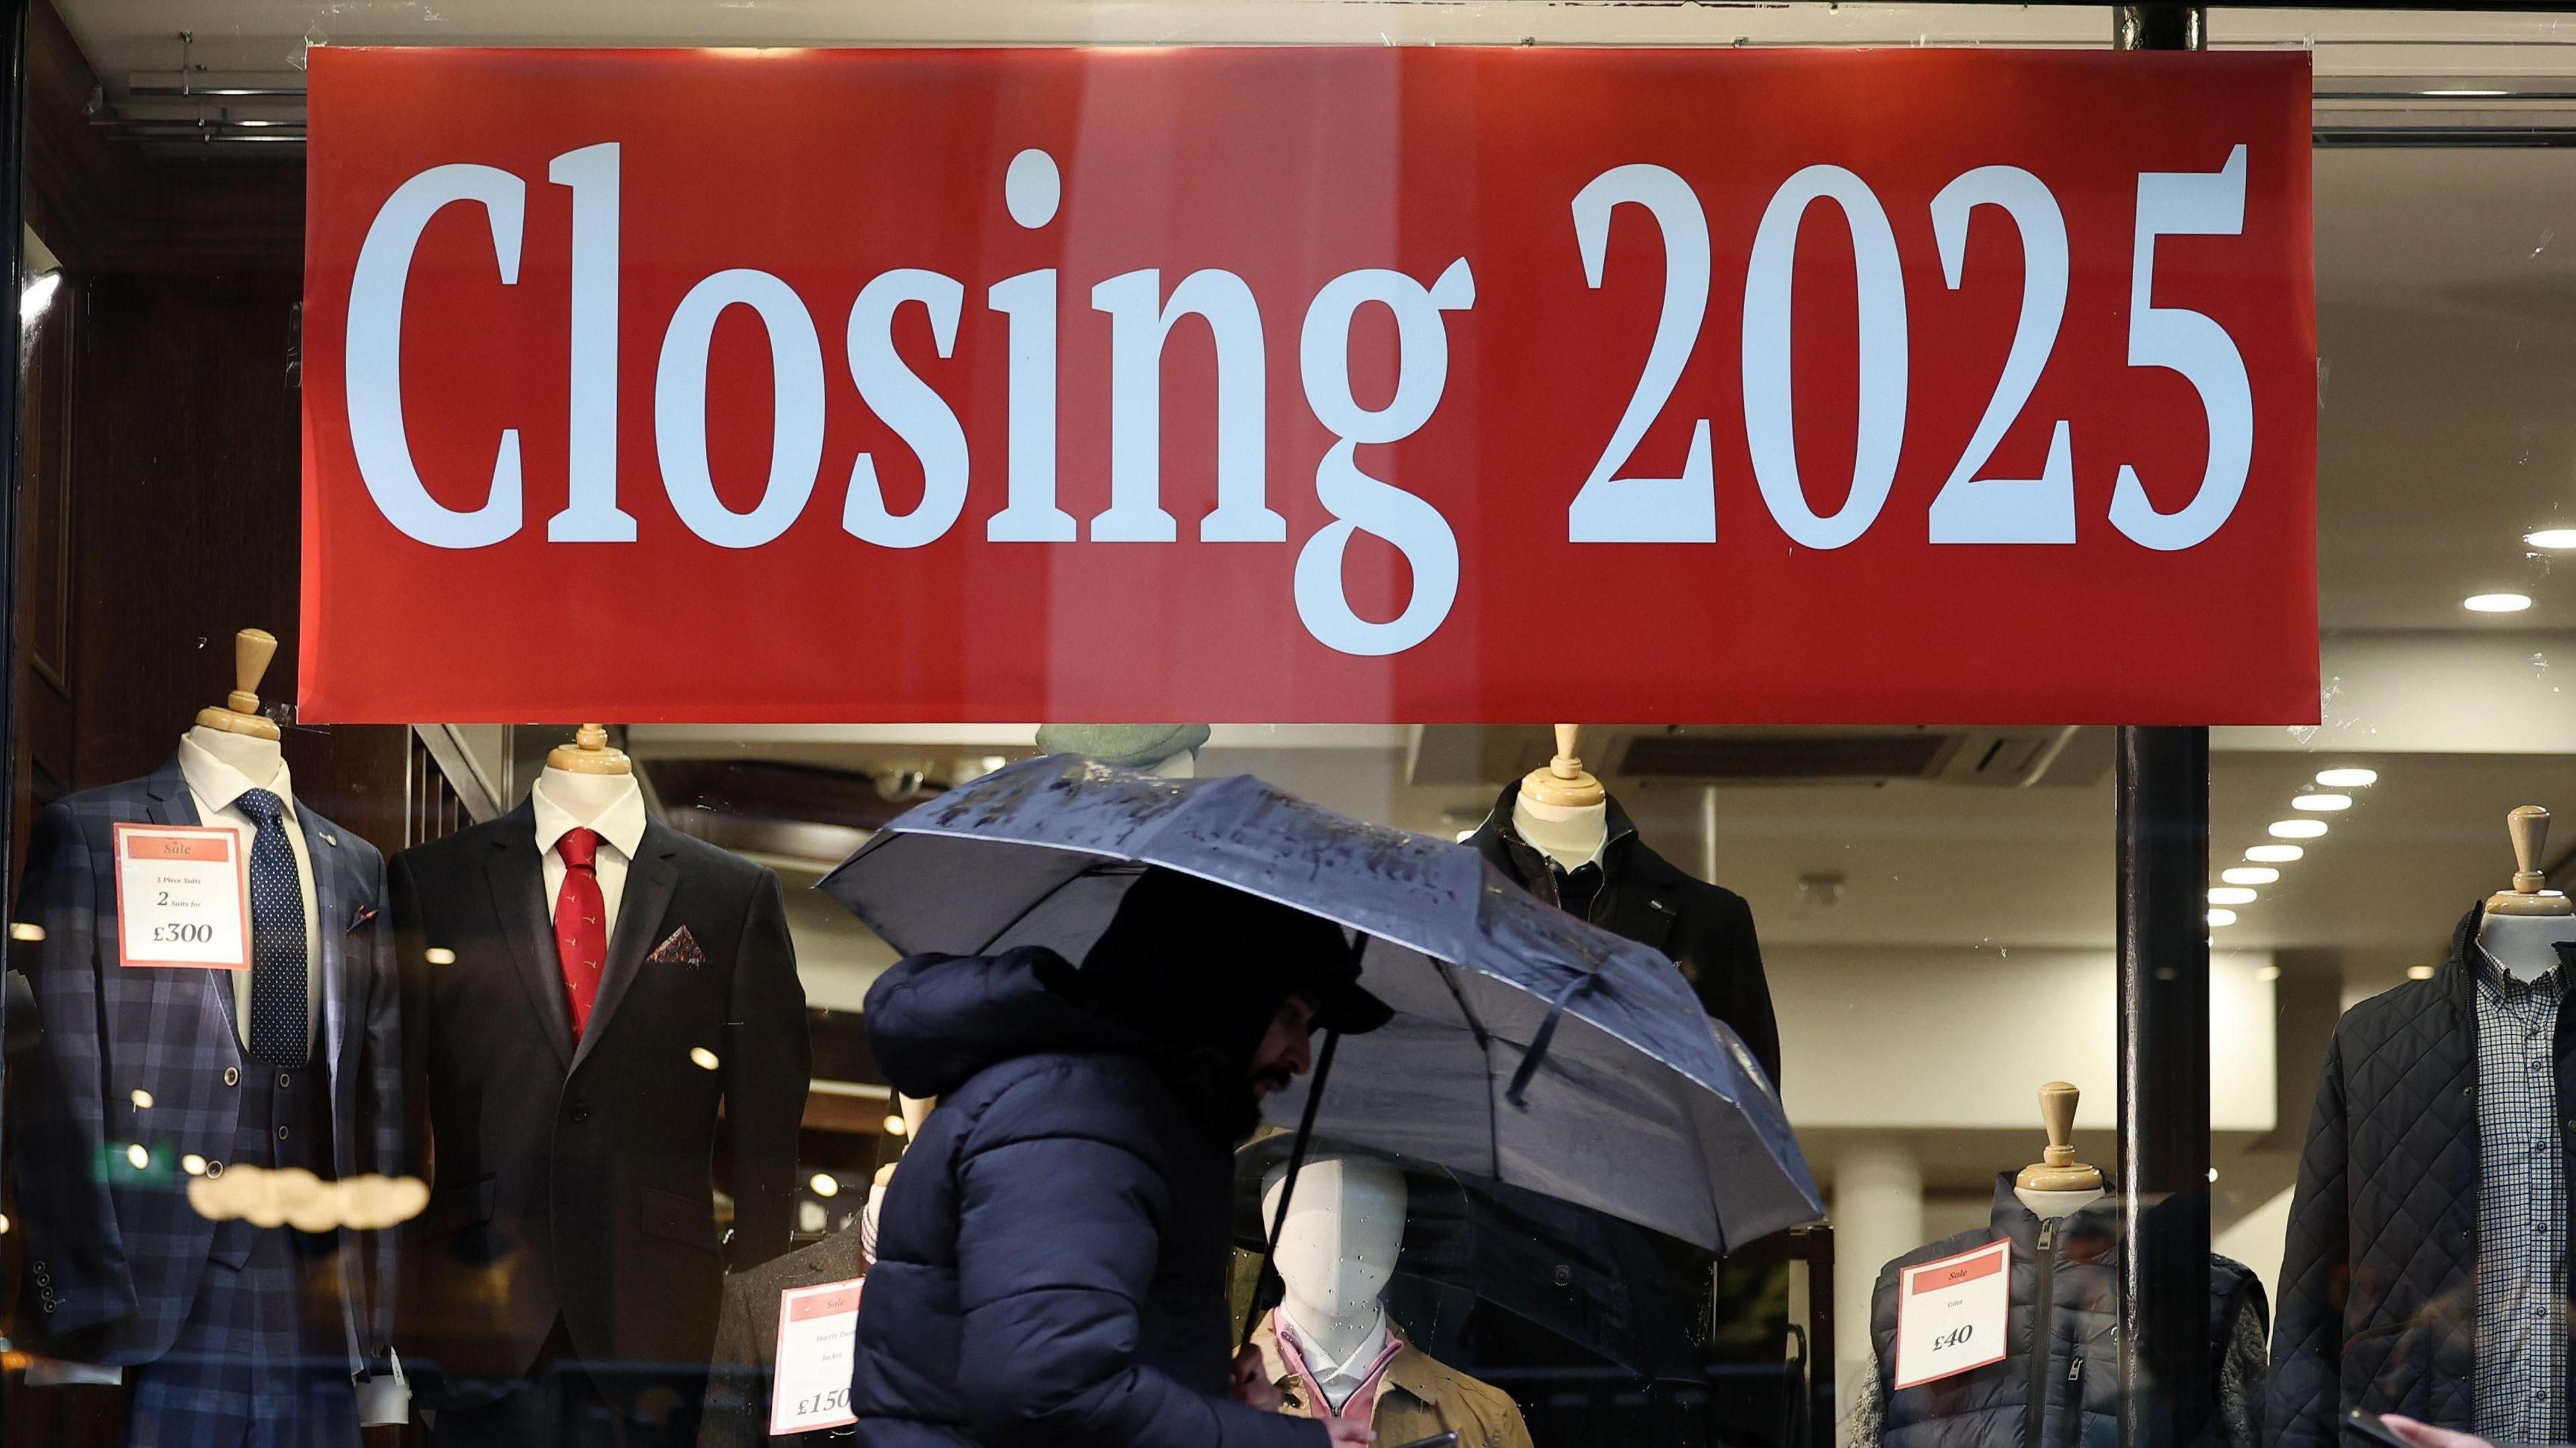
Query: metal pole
2163,788
13,226
2163,826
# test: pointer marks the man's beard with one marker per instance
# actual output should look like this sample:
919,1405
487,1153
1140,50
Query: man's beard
1243,1112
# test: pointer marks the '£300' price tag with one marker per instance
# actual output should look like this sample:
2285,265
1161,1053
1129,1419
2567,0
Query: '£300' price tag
1951,1314
182,897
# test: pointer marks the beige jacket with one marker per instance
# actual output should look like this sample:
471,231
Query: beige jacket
1421,1397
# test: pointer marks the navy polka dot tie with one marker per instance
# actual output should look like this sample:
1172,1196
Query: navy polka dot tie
276,936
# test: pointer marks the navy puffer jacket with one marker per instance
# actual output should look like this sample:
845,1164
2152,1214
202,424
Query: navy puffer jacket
1052,1257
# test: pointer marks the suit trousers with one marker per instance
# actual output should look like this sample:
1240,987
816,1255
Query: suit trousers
567,1403
262,1360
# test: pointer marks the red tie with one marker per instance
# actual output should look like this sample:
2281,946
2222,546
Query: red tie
581,924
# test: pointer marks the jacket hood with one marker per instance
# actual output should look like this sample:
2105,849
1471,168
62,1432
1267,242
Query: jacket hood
935,1022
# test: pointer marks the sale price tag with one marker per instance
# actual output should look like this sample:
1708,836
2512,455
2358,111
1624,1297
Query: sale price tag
182,897
818,1331
1951,1314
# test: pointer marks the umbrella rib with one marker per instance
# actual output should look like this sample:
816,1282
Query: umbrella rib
1035,901
1484,1047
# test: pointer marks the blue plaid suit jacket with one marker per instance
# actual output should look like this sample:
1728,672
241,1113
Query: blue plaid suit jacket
114,1252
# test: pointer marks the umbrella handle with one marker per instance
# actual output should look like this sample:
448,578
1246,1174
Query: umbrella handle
1518,1092
1268,1285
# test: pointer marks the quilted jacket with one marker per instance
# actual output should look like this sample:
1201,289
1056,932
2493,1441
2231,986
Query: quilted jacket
2071,1264
2379,1274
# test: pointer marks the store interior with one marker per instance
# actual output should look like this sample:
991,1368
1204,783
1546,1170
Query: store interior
1935,905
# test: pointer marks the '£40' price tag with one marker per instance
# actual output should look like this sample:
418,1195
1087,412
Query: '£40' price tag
1951,1314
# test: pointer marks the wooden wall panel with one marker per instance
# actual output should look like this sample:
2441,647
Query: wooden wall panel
185,524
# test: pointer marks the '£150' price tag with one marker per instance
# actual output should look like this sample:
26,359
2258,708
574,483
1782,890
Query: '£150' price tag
818,1330
1951,1314
182,897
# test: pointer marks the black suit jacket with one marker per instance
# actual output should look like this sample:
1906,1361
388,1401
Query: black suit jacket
571,1177
1706,929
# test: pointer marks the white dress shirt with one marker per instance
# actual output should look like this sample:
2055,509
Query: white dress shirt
620,828
214,785
1342,1379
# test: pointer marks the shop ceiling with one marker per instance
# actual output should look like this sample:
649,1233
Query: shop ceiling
2447,315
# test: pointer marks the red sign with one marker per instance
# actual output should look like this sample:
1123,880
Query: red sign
1310,385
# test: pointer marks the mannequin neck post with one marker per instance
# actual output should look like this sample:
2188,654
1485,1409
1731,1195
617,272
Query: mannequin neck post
1568,834
2526,945
257,759
2045,1205
584,796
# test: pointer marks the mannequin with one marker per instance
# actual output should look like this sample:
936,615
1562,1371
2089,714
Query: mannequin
1168,750
2057,1185
1561,809
2063,1229
231,1078
2471,1066
2523,926
1338,1249
609,1001
1336,1252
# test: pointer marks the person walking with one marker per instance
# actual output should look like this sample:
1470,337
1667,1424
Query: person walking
1052,1259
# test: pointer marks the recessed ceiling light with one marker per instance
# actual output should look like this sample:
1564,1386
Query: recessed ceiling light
2231,895
2218,918
2347,778
824,1184
2250,875
2297,829
2551,538
2496,602
2275,854
2322,803
2419,972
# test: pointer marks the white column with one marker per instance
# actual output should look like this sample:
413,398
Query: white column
1877,1217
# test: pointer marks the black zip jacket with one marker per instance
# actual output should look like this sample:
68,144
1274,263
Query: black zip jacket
1706,929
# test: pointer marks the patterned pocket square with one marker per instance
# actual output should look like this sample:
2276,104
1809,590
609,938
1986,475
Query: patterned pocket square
359,917
680,949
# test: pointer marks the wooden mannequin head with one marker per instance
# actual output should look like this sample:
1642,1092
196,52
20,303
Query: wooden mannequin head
588,753
239,713
2528,825
1563,781
2057,1170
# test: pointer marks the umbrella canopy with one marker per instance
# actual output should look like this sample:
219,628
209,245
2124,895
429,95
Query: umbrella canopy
1527,1046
